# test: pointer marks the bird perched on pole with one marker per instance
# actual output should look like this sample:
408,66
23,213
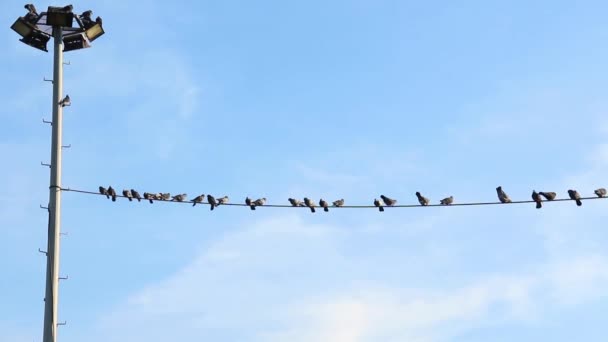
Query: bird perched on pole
198,199
550,196
32,14
338,203
136,195
179,198
601,192
104,191
212,202
127,193
294,202
150,197
378,204
309,203
422,200
574,195
447,200
502,196
258,202
536,198
112,193
388,201
66,101
323,204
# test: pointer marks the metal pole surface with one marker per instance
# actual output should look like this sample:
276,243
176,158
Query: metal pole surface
51,298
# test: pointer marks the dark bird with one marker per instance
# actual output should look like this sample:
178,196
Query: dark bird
294,202
164,196
309,203
198,199
222,200
536,198
87,14
112,193
179,198
421,199
248,202
502,196
574,195
212,201
323,204
65,102
338,203
378,204
150,197
98,20
550,196
127,194
388,201
257,203
31,9
136,195
601,192
447,200
32,14
104,191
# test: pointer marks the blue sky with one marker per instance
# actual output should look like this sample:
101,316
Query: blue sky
340,99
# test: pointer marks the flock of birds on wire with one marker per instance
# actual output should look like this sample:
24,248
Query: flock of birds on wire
213,202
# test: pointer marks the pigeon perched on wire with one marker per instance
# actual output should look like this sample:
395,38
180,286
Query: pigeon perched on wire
601,192
150,197
550,196
323,204
378,204
127,193
536,198
179,198
198,199
575,196
65,102
388,201
422,200
249,201
164,196
257,203
294,202
112,193
136,195
212,202
338,203
104,191
502,196
222,200
447,201
309,203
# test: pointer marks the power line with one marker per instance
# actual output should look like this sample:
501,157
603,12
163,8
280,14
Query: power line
350,206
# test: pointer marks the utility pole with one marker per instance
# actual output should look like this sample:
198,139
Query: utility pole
36,30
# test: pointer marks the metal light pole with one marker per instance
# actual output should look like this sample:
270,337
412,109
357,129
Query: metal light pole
36,30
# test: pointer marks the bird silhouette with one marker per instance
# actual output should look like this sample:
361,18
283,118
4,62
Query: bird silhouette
309,203
536,198
257,203
136,195
447,200
248,202
127,193
574,195
150,197
338,203
323,204
222,200
66,101
378,204
502,196
112,193
422,200
601,192
179,198
388,201
294,202
198,199
164,196
550,196
104,191
212,202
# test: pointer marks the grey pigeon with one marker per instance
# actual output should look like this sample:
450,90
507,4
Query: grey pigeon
222,200
127,194
378,204
212,201
179,198
258,202
112,193
388,201
502,196
550,196
198,199
536,198
601,192
294,202
136,195
165,196
31,9
422,200
32,14
447,200
65,102
338,203
104,191
150,197
574,195
323,204
309,203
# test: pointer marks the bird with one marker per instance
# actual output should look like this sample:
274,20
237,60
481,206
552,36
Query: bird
388,201
323,204
150,197
127,194
338,203
574,195
601,192
502,196
309,203
212,201
65,102
550,196
257,203
294,202
423,200
222,200
378,204
136,195
87,14
248,202
104,191
536,198
98,20
112,193
164,196
31,9
447,200
198,199
179,198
